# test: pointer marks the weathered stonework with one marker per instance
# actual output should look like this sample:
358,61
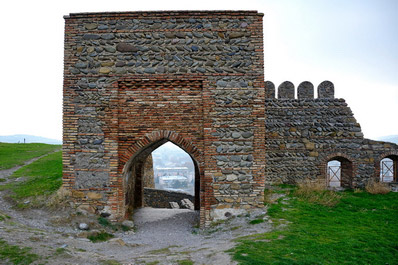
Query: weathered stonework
303,134
162,198
148,180
135,80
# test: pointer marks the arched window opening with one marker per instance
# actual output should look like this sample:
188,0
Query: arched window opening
339,173
388,169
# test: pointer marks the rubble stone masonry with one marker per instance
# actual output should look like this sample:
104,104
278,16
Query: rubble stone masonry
304,134
135,79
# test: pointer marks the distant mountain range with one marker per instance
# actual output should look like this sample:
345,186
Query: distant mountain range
389,138
21,138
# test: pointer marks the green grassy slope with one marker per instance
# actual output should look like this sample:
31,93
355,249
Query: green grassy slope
41,178
360,229
12,155
12,254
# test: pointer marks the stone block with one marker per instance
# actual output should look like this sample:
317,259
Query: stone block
117,241
94,195
229,200
310,146
77,194
86,209
105,70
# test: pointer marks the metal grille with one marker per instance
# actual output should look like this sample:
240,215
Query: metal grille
387,171
334,175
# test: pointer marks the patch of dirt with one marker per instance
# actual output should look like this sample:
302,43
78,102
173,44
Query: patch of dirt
160,235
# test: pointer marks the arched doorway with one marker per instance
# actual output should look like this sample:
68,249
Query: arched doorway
339,172
136,171
388,169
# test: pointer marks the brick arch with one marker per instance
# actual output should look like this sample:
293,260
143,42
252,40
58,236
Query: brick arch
392,155
337,154
386,155
348,168
156,136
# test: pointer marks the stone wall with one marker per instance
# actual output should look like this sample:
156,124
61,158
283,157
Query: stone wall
135,79
148,175
303,134
161,198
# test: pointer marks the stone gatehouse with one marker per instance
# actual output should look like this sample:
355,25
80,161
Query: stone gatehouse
135,80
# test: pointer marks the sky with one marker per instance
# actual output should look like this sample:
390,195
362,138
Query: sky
352,43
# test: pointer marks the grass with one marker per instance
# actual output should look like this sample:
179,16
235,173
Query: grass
2,218
161,251
377,187
12,155
360,228
110,262
115,227
50,165
106,223
43,178
60,251
316,192
100,237
256,221
11,254
185,262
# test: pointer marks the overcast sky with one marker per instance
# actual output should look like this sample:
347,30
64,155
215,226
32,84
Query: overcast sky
353,43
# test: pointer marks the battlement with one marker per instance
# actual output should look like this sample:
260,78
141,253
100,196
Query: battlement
305,90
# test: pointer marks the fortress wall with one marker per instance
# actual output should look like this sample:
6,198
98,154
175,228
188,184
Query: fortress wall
303,134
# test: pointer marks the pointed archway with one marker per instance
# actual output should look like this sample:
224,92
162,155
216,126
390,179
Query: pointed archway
134,167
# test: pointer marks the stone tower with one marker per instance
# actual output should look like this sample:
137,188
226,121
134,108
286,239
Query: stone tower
135,80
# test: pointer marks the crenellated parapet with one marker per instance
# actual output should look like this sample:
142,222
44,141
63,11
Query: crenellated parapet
305,90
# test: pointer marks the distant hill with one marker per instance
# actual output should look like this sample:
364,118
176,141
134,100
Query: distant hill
389,138
19,138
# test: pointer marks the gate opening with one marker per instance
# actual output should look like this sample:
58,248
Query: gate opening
162,175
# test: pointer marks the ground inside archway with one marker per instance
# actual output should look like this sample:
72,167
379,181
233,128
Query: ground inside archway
167,227
173,233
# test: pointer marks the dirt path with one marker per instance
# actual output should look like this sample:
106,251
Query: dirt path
165,236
